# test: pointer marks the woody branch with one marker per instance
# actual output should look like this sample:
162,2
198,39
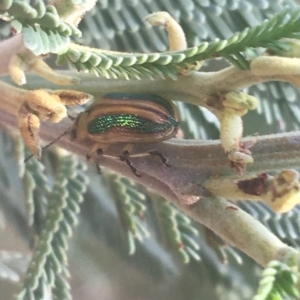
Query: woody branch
191,163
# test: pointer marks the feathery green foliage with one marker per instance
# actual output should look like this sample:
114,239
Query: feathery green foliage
138,65
131,209
278,281
43,30
35,184
178,231
36,190
48,266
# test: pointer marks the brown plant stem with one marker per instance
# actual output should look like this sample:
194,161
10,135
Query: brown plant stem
191,163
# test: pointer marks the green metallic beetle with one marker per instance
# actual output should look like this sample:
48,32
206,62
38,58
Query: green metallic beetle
127,118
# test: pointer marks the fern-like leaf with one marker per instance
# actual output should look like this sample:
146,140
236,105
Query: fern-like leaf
278,281
43,30
139,65
36,187
48,266
36,191
131,209
177,230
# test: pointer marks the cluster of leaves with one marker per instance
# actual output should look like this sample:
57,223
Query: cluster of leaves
48,268
131,209
42,29
177,229
278,281
44,32
163,65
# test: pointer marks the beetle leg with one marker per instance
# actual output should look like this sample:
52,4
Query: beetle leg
101,152
125,157
88,157
161,156
98,168
153,153
94,148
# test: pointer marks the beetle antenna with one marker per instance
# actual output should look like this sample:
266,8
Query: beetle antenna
48,145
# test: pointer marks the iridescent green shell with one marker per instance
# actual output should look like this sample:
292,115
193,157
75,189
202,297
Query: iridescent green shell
129,118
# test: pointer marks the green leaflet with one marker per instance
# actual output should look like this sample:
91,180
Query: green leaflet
43,30
278,281
178,230
167,64
48,266
131,210
43,42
